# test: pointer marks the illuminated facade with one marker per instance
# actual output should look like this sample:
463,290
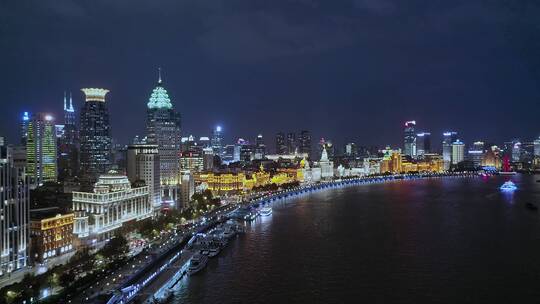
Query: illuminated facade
95,137
52,234
24,127
492,159
409,140
41,155
260,147
423,143
448,139
163,130
217,141
143,164
327,166
192,160
187,188
395,163
476,153
14,209
112,203
458,152
220,183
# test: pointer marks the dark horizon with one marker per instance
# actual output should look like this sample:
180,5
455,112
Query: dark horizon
348,71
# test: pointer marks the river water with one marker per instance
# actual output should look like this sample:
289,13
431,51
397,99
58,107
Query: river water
445,240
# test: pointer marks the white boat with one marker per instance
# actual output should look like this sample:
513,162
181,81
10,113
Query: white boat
508,186
197,263
266,211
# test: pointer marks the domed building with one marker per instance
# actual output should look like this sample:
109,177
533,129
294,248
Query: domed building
113,202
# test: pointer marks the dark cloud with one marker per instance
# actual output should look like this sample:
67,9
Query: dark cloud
351,69
382,7
252,37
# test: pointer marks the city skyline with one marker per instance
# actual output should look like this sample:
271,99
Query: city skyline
358,79
297,151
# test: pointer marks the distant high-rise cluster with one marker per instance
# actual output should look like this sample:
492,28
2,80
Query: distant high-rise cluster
293,144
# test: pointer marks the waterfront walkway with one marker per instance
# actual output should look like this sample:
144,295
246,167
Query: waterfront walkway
155,282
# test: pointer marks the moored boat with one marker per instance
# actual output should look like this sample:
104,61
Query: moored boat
197,263
266,211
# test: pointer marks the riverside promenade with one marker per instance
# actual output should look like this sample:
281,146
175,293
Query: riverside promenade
158,283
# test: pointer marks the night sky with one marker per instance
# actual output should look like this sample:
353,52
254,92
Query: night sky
349,70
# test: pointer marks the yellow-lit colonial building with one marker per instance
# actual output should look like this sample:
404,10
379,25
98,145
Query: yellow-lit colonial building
394,162
220,183
51,233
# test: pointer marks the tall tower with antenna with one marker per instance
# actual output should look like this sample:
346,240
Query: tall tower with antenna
163,130
68,145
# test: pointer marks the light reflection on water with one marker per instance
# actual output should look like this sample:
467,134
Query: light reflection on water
449,240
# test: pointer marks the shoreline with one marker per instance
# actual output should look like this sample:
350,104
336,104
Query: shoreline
136,291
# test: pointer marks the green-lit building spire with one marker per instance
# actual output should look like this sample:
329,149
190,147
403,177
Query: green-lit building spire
159,99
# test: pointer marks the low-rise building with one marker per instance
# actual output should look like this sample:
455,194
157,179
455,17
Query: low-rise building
113,202
220,183
51,233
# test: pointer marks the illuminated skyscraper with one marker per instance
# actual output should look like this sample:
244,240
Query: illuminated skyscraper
423,143
516,150
68,145
409,139
458,152
14,195
95,137
448,139
163,130
536,144
260,147
217,141
41,149
476,153
350,150
24,127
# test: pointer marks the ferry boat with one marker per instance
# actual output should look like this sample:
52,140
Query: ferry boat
508,186
197,263
266,211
